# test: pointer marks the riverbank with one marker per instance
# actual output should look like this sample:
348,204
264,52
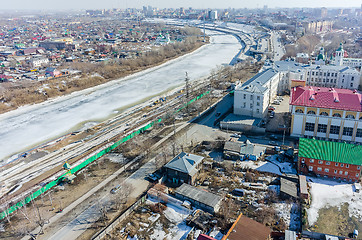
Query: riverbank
17,95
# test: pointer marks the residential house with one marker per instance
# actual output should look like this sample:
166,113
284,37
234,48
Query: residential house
183,168
52,72
337,160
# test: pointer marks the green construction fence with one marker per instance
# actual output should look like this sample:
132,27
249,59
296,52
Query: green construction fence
51,184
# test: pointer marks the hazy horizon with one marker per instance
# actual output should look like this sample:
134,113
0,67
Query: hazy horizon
107,4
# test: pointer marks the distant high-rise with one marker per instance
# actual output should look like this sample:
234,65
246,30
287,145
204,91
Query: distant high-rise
213,15
324,12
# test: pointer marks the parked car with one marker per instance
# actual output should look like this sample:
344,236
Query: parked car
271,108
276,102
115,189
272,114
273,143
153,177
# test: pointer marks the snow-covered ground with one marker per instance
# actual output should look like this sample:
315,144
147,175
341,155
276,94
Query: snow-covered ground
271,166
289,212
327,193
30,125
177,228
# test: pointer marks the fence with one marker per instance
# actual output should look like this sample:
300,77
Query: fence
51,184
110,228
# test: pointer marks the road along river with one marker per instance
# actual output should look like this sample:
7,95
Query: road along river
31,125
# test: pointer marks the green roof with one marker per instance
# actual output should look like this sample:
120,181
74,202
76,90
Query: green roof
330,151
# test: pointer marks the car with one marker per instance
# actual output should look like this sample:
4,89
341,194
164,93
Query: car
236,135
271,109
272,114
115,189
273,143
152,177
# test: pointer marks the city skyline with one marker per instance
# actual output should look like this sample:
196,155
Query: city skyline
92,4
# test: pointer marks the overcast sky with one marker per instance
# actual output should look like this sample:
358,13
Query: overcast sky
99,4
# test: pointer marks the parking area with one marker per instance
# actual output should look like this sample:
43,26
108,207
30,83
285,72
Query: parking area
281,115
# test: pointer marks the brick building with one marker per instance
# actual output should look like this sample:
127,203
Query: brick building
337,160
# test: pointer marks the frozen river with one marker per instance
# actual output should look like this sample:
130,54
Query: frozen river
30,125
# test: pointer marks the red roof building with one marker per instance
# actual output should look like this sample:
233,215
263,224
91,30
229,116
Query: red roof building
322,97
326,113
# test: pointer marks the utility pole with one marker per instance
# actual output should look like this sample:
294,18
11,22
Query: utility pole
204,30
187,92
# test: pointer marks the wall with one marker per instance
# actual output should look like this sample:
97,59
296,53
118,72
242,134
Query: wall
351,170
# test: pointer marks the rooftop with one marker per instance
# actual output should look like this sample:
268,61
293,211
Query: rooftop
256,83
321,97
185,162
245,228
199,195
330,151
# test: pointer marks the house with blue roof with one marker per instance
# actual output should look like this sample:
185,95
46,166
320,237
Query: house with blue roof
183,168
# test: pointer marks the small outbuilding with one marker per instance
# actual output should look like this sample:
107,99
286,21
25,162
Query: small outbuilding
199,197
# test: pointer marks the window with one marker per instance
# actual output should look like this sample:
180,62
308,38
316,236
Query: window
328,163
309,127
357,174
346,173
326,170
359,132
352,78
311,160
335,171
351,85
258,97
322,128
334,129
251,97
348,131
337,115
257,103
311,112
336,164
359,167
320,161
350,116
340,172
251,105
313,73
299,111
347,165
244,96
244,105
319,169
310,168
342,165
324,114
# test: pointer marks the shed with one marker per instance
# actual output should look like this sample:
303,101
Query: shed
232,150
198,197
303,187
288,188
290,235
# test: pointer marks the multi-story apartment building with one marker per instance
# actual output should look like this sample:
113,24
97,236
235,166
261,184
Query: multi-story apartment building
254,96
326,113
336,160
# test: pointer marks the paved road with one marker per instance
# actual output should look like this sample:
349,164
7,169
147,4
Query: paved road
277,47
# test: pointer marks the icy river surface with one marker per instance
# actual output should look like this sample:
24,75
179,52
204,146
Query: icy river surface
30,125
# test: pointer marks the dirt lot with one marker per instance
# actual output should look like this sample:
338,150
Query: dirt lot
342,224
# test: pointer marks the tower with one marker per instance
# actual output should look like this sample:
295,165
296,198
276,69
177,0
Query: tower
338,60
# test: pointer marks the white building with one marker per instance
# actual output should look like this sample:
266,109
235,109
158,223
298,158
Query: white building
340,60
326,113
253,97
317,75
39,62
